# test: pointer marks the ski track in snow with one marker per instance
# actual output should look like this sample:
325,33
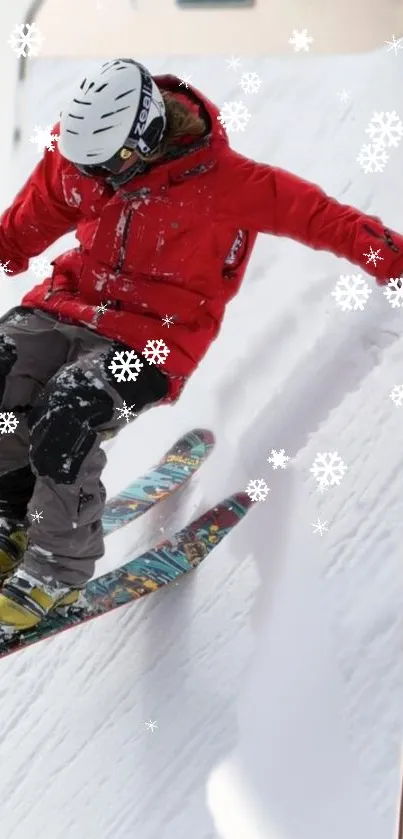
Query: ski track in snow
289,370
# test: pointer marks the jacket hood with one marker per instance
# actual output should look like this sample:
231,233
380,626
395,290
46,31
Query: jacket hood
197,100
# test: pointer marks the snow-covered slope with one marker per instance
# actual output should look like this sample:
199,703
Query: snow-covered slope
317,730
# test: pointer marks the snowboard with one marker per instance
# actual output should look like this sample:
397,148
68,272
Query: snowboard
157,567
170,474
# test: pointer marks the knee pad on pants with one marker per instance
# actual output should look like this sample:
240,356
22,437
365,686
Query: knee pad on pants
63,424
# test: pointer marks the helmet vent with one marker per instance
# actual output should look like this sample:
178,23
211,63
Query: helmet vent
102,130
126,93
111,113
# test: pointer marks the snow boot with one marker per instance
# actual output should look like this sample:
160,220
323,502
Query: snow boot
13,544
26,600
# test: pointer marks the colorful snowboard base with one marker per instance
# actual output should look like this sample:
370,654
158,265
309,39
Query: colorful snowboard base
160,566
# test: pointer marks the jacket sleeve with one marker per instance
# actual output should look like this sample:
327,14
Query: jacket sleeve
266,199
38,216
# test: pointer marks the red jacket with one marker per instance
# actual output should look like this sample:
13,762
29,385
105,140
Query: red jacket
174,241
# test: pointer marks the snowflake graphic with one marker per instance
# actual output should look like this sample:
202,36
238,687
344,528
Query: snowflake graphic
36,516
234,116
344,95
257,490
278,459
26,40
168,320
233,63
4,269
156,352
250,82
396,395
394,292
351,289
125,369
372,158
328,469
373,256
41,267
385,129
320,527
126,412
101,309
8,422
300,40
185,80
394,44
44,138
322,488
151,725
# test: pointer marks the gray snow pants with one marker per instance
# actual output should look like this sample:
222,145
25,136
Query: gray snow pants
55,379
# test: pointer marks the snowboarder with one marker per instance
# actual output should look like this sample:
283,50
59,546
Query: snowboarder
166,215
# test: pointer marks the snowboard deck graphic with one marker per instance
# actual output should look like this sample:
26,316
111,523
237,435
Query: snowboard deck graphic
170,474
160,566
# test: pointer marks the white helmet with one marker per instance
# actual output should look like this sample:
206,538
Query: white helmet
114,110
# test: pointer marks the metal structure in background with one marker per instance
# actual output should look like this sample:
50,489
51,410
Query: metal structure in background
30,16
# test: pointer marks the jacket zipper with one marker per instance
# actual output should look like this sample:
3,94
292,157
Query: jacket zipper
125,234
122,250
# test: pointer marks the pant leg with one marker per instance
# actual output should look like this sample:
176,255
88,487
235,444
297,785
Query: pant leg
30,353
74,413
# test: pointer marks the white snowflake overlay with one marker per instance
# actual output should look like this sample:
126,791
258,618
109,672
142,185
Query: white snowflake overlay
26,40
126,366
4,269
372,158
394,45
250,82
156,352
300,40
351,292
394,292
257,489
278,459
234,63
8,422
373,256
385,129
397,395
234,116
320,527
40,267
185,80
328,469
126,412
44,138
37,516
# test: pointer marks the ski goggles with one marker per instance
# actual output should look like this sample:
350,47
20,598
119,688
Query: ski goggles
115,165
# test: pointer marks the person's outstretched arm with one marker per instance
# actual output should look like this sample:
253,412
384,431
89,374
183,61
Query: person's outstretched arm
39,214
263,198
